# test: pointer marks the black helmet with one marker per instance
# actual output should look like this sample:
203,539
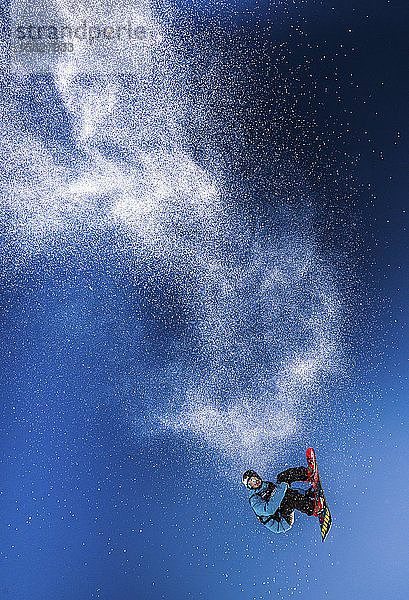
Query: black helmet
247,475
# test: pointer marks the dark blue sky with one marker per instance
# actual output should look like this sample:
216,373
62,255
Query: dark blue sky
93,504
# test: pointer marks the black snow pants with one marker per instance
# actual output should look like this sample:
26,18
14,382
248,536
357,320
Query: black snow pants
294,500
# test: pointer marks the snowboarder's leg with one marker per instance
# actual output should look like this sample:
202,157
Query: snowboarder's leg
294,474
295,500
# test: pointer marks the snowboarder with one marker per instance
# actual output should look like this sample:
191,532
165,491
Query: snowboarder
274,503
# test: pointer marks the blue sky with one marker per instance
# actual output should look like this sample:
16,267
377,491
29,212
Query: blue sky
100,339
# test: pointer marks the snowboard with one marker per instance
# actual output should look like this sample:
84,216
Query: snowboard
321,508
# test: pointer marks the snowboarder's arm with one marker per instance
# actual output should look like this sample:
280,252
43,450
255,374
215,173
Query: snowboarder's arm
264,509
